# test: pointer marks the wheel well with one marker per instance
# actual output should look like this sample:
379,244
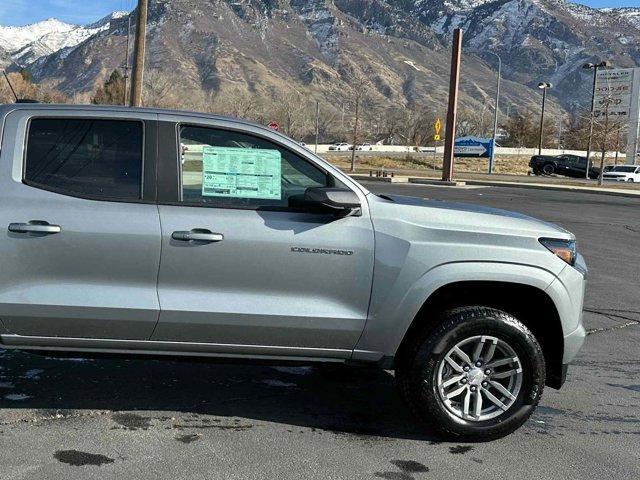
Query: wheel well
530,305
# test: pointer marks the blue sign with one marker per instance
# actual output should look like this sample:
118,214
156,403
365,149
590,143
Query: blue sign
473,147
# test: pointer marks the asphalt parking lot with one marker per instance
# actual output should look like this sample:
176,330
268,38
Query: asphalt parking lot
113,418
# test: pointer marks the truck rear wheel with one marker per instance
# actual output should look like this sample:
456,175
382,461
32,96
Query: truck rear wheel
548,169
479,375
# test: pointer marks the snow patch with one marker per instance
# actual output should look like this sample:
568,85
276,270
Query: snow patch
278,384
17,397
33,374
294,370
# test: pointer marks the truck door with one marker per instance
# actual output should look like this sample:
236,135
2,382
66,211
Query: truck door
80,246
241,270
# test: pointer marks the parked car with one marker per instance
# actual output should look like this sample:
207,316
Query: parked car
257,249
342,146
623,173
365,146
565,165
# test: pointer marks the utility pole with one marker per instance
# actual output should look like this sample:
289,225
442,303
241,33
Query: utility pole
615,161
495,114
315,150
604,143
138,59
544,86
126,62
355,132
595,67
452,112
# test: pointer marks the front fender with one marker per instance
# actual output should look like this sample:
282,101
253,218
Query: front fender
389,321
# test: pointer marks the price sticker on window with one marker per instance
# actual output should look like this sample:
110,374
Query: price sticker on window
241,173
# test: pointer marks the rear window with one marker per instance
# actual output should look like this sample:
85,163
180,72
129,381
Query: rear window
86,157
629,169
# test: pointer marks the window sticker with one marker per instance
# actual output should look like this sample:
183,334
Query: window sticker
241,173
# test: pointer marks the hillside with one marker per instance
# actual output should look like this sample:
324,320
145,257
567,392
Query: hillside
320,48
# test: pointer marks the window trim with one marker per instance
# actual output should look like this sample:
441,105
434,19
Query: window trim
264,208
148,166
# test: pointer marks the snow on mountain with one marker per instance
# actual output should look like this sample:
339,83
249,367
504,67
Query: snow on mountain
630,14
28,43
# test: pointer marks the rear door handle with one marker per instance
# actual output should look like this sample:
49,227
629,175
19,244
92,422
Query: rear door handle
197,235
35,226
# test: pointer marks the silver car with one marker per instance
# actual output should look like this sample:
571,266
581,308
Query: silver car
143,231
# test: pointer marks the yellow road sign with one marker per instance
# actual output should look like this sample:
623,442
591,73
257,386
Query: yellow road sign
436,128
436,138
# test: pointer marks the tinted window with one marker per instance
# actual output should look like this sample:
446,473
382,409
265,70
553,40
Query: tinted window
94,158
234,169
629,169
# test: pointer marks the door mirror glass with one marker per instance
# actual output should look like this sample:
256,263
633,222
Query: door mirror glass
338,201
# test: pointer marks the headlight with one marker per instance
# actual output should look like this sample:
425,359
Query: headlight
565,249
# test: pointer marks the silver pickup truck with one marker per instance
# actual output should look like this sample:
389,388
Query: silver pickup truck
142,231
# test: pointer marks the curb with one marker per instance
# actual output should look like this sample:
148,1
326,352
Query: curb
559,188
367,178
495,183
435,181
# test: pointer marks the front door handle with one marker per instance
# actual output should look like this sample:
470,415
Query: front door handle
35,226
197,235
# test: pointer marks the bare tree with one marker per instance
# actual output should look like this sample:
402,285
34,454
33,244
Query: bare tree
158,88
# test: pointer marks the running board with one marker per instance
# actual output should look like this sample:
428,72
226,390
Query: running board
164,348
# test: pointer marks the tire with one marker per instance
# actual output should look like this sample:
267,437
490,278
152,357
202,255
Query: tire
630,180
424,363
548,169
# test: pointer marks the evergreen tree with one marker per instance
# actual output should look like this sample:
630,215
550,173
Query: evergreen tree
112,93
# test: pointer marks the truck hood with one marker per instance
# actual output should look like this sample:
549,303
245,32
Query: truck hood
440,214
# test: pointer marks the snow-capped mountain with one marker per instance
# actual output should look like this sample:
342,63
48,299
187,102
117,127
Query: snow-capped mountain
630,14
319,46
29,43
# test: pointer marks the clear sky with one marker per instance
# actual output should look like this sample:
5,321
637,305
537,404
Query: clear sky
22,12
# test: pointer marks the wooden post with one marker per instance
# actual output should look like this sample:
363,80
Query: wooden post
138,60
452,112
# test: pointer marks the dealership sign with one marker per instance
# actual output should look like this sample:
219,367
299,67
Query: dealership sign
473,147
617,95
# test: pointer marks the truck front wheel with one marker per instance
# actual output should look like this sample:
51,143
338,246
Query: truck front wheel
478,375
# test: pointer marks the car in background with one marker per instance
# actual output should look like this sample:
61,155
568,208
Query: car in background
565,165
340,147
365,146
623,173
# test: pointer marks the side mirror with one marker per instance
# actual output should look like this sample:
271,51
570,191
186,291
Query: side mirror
340,202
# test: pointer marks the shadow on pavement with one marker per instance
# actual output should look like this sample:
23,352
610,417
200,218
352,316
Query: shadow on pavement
336,398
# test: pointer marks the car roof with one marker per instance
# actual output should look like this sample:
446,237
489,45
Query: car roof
9,107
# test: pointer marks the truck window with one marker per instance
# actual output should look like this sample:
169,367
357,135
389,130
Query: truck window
221,168
85,157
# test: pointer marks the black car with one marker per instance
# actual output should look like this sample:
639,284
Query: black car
566,165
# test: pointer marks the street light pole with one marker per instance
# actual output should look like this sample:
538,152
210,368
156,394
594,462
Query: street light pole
544,86
595,67
495,113
315,149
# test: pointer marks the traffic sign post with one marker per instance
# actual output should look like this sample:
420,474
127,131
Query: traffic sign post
437,127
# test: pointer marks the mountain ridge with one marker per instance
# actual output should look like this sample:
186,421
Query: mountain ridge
317,47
